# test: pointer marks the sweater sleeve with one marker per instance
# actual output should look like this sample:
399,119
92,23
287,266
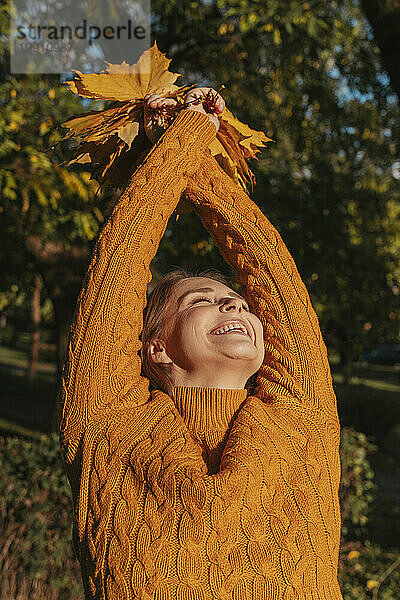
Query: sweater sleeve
296,363
102,369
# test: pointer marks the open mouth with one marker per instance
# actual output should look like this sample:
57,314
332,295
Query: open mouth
235,327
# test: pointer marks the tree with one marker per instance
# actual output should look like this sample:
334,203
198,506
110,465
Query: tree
384,16
48,214
36,320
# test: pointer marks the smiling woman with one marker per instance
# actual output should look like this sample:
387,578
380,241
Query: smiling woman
199,427
181,314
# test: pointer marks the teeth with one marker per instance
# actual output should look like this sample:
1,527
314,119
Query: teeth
230,327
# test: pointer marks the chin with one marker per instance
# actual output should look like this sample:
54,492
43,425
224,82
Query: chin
243,353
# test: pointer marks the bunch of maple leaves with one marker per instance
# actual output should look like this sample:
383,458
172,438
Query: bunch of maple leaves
114,141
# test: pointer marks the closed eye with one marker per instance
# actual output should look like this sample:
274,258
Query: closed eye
246,308
200,299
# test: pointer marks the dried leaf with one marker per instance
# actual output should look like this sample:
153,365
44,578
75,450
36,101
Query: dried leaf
114,140
128,82
81,159
237,143
128,133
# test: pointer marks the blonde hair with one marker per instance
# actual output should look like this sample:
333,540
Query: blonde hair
154,324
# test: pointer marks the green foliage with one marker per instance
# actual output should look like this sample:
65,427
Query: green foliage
357,486
35,526
39,197
368,571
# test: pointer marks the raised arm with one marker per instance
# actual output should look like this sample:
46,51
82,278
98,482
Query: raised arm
102,366
296,362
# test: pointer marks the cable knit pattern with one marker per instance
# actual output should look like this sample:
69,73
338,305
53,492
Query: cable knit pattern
212,495
209,414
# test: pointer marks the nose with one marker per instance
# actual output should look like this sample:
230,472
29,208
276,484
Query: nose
231,303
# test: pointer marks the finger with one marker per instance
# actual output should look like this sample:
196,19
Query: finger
153,100
202,90
150,97
167,102
196,98
201,93
219,104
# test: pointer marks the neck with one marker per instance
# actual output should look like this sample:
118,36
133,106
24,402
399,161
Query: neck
209,414
214,378
208,408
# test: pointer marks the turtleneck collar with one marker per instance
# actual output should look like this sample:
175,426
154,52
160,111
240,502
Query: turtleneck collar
208,408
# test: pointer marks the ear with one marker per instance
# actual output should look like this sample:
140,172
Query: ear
158,352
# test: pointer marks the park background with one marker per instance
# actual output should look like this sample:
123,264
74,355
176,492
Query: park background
322,79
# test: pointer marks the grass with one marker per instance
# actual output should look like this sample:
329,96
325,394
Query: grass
9,427
378,377
29,405
18,360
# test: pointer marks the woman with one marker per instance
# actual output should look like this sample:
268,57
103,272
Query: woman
194,489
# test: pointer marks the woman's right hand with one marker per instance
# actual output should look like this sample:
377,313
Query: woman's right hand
160,111
196,99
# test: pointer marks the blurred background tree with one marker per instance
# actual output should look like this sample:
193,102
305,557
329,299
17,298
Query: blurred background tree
48,214
308,74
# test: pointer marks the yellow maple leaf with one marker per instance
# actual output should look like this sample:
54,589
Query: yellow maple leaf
128,82
236,142
114,141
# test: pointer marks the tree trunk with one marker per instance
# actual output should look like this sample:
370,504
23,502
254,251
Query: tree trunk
35,314
64,306
347,364
62,271
384,16
64,298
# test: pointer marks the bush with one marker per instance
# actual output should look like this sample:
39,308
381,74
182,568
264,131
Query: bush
367,571
36,560
356,486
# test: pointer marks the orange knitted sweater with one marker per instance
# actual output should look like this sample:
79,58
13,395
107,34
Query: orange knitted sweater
213,494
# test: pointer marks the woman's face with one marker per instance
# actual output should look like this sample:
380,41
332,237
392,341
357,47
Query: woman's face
197,350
